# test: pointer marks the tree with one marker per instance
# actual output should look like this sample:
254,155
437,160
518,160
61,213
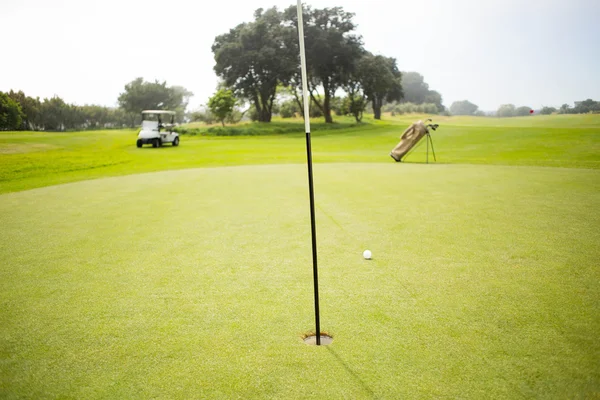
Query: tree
332,49
140,95
586,106
355,101
434,97
221,104
180,97
10,113
415,88
463,107
565,109
522,111
30,108
255,58
506,110
380,79
355,106
95,116
547,110
56,115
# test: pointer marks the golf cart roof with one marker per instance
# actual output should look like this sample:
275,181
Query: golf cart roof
158,112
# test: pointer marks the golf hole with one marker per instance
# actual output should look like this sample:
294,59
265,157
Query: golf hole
312,339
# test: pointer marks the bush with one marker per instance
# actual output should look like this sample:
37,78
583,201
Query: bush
203,116
315,111
289,109
409,108
337,105
261,129
235,116
253,114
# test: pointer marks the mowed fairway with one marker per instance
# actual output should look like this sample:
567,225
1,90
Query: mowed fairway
197,283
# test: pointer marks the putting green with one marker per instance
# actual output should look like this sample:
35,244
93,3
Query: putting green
198,284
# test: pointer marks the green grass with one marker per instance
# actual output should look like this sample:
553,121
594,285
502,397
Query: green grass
197,282
33,159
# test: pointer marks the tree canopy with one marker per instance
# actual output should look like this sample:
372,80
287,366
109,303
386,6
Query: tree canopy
140,95
254,58
417,91
381,80
463,107
581,107
221,104
332,49
10,113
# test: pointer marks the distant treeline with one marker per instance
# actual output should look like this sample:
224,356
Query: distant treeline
581,107
21,112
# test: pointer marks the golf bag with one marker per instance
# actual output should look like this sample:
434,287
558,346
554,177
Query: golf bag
409,139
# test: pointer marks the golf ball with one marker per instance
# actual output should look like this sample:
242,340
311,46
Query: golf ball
367,254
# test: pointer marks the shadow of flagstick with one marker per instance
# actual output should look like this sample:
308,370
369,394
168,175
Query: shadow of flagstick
362,383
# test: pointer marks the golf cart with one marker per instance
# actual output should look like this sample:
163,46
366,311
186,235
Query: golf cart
155,131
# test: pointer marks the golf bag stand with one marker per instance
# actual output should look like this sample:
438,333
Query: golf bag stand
430,139
411,138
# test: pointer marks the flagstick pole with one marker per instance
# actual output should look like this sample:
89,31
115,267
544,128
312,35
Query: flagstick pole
310,171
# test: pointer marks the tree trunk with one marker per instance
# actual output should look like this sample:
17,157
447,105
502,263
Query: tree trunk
314,99
377,112
377,108
326,103
265,115
300,103
327,108
264,112
259,109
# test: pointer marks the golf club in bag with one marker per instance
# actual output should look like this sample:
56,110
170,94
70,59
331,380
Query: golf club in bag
411,137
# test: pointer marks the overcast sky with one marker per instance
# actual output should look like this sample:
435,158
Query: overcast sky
490,52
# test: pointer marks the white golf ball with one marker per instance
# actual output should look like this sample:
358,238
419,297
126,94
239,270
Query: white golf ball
367,254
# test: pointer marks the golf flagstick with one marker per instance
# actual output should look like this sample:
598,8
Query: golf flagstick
310,172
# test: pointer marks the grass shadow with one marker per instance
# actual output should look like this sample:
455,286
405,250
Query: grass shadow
352,373
164,146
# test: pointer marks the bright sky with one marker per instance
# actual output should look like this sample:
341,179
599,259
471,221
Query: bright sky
490,52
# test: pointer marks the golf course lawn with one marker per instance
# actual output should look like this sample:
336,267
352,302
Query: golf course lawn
186,272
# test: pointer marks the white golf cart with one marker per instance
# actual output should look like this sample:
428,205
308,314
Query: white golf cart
155,131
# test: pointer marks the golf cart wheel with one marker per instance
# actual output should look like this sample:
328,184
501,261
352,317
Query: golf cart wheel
176,141
155,143
139,143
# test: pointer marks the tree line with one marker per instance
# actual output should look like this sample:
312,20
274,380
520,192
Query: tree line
21,112
580,107
510,110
